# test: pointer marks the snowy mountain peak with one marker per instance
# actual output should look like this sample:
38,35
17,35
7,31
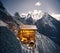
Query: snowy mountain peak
36,14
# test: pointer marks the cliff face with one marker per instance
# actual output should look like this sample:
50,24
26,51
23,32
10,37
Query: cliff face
7,18
4,15
49,27
8,41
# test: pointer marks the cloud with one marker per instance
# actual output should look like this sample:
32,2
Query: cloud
37,4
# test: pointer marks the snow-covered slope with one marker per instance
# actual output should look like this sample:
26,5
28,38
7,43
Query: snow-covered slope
56,16
2,23
46,45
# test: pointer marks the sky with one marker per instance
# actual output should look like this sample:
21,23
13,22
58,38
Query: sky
24,6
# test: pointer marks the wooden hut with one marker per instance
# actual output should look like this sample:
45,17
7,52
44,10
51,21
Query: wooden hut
27,34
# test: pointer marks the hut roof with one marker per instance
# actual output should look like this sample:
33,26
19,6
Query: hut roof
28,27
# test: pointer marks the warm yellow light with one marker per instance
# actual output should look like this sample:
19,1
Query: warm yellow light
24,40
26,36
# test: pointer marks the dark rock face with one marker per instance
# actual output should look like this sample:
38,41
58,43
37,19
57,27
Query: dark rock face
1,6
5,17
19,19
29,20
50,27
23,20
8,41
